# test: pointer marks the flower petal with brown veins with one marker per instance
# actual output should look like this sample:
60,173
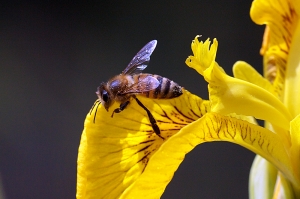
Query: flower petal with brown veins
114,152
281,19
122,157
211,127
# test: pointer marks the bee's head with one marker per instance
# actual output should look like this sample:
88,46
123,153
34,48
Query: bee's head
104,96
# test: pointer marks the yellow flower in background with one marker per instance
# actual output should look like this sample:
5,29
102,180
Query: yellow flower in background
280,51
121,157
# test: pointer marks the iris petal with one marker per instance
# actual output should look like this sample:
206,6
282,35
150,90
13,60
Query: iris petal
281,19
232,95
204,54
122,157
244,71
295,146
292,83
81,174
211,127
281,57
115,153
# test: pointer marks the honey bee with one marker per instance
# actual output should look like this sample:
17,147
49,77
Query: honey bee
132,83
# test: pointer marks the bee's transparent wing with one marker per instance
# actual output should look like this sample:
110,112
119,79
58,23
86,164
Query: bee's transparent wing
144,84
141,59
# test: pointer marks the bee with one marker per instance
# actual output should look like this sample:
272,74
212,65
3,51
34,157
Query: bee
132,83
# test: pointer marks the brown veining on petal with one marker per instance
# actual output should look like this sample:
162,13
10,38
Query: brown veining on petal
280,19
170,119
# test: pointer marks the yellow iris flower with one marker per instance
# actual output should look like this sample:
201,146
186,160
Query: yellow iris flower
122,157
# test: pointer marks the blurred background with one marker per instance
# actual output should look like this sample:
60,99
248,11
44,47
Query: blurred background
54,55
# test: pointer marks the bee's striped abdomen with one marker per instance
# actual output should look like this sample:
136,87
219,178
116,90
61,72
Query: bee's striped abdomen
166,89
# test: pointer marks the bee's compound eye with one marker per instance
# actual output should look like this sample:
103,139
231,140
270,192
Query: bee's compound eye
105,96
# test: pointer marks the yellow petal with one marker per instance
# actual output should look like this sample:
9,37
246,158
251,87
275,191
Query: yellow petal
115,152
295,148
244,71
121,157
281,19
292,83
262,178
232,95
81,169
204,54
211,127
281,56
275,68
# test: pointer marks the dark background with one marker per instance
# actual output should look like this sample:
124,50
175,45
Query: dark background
53,56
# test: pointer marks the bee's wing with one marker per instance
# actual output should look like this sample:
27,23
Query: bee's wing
141,59
146,84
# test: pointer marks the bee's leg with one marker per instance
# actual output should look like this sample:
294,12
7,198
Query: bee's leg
120,109
151,118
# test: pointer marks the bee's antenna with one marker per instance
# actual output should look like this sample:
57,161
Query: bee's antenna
96,111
